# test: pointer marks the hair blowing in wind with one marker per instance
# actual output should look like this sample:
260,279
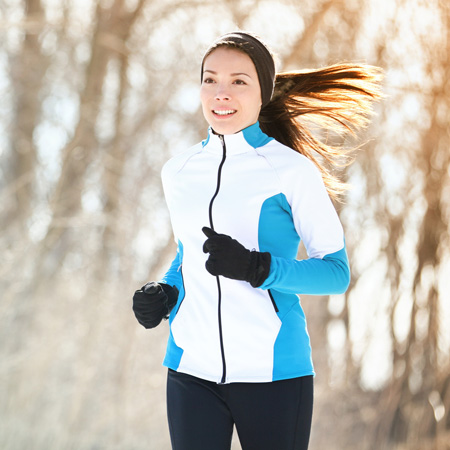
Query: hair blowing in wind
337,99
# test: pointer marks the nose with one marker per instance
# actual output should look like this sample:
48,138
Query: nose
222,93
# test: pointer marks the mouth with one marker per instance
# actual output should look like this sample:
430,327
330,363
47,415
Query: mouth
224,112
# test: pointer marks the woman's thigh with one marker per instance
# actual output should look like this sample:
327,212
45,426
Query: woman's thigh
272,416
198,417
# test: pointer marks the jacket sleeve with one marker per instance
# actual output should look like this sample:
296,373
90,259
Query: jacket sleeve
326,270
312,276
173,276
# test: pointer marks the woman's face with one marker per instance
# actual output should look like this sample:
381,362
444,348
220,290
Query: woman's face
230,91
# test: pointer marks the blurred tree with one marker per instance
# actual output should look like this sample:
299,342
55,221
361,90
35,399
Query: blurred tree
28,70
420,369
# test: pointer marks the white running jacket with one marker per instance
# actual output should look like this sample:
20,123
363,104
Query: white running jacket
268,197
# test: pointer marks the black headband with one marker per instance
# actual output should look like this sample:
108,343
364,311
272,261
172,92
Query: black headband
258,52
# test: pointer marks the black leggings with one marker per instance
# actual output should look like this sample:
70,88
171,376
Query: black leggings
267,416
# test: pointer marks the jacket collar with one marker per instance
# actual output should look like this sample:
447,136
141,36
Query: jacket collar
245,140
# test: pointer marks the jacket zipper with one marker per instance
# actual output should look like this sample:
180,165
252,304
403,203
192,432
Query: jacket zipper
211,224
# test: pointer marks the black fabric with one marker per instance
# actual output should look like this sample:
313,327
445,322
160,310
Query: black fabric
229,258
268,416
260,55
153,303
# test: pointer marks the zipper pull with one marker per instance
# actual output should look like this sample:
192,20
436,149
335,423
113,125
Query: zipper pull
224,147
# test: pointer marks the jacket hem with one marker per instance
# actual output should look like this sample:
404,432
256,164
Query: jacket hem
246,379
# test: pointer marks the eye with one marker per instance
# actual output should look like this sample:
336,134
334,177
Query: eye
241,82
208,80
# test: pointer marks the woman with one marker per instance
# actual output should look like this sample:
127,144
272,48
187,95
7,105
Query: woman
240,202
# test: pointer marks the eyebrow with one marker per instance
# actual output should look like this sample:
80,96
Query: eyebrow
232,74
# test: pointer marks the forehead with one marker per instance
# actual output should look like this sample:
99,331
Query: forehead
228,58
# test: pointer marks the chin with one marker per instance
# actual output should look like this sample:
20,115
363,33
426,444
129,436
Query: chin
222,128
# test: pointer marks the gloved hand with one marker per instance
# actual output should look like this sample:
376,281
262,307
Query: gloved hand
229,258
153,302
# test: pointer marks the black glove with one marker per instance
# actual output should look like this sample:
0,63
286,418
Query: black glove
229,258
153,302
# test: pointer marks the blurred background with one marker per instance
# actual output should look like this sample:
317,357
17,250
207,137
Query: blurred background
94,97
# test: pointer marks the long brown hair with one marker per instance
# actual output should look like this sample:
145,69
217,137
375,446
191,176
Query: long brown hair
308,103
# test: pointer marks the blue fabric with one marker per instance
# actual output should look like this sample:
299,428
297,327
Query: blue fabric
293,334
326,276
329,275
315,276
276,217
255,137
173,276
173,354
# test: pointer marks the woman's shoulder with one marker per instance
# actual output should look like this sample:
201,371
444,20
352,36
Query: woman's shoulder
296,172
176,162
284,158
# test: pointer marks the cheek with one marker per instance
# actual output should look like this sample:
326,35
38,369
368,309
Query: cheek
203,101
253,99
255,102
206,98
203,95
206,110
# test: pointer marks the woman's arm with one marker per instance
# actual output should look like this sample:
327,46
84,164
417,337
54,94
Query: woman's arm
313,276
326,270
